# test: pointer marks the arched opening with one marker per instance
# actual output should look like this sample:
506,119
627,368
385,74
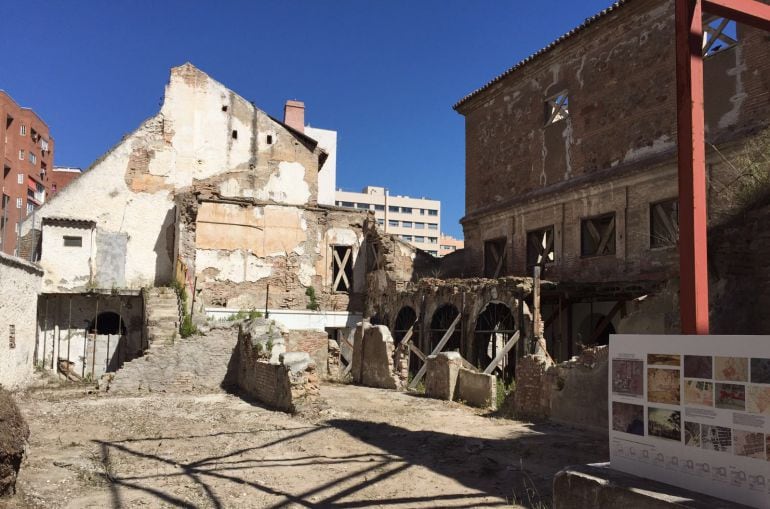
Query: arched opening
587,333
495,325
406,318
108,322
439,325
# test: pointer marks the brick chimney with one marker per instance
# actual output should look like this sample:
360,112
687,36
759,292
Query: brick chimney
294,115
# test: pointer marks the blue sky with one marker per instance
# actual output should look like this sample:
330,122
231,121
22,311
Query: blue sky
384,74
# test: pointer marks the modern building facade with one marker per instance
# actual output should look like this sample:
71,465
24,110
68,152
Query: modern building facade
61,176
27,149
448,244
414,220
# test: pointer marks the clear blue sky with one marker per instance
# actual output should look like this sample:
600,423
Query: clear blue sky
384,74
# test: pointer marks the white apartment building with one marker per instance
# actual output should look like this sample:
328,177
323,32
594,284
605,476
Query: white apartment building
415,220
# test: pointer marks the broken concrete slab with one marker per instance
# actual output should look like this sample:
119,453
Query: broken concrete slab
476,389
600,487
441,375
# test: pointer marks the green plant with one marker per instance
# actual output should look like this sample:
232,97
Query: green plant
243,315
503,391
313,304
188,328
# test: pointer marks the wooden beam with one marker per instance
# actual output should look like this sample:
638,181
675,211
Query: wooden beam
502,353
439,346
606,320
417,352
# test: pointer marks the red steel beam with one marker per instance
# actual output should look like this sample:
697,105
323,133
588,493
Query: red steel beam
748,12
693,257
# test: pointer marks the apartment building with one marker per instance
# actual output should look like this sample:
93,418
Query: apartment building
448,244
61,176
414,220
27,149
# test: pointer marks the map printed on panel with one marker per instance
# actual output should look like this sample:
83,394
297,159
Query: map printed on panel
693,411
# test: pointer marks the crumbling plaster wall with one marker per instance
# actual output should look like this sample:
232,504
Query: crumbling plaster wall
20,283
205,136
67,267
242,247
619,76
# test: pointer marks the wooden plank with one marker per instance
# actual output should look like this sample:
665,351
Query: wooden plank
606,320
606,236
502,353
417,352
439,346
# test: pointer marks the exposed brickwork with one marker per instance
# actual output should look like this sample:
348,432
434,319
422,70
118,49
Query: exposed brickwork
614,153
315,343
530,396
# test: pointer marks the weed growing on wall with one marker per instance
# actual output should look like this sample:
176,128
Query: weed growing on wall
313,304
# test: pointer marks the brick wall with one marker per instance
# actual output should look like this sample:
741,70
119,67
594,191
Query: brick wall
315,343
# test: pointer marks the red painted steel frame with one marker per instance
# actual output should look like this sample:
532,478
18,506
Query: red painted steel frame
693,258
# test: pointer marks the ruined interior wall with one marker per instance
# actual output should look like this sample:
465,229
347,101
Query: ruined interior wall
242,248
469,296
20,283
315,343
620,79
65,332
203,133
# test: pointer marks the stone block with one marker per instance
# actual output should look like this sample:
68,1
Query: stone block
600,487
441,375
476,389
377,359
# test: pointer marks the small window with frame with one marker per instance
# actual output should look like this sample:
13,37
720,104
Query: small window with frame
495,258
597,235
73,241
540,249
664,223
342,269
719,34
557,108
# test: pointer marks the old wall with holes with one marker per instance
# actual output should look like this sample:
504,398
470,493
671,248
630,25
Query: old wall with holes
613,151
20,283
247,255
87,335
431,301
205,136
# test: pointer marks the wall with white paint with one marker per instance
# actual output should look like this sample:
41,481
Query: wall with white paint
20,283
327,177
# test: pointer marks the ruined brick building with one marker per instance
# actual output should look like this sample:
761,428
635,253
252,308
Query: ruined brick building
211,193
571,166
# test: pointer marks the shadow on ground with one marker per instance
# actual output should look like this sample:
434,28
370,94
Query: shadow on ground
518,469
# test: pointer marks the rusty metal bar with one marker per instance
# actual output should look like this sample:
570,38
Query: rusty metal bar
748,12
693,256
45,331
122,338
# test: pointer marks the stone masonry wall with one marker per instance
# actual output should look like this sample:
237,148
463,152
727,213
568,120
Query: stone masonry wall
20,283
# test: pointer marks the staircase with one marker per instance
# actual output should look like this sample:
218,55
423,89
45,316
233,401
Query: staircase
161,316
195,364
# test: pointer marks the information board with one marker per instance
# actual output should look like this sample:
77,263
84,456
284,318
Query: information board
693,411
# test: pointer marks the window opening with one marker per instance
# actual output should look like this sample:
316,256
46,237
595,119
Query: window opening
342,268
556,108
664,223
540,247
719,34
235,134
72,241
494,258
597,236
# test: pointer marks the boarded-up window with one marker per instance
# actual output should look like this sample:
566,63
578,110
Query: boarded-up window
556,108
597,235
664,223
71,241
540,247
494,258
342,268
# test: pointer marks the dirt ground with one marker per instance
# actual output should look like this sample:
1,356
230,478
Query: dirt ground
360,447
